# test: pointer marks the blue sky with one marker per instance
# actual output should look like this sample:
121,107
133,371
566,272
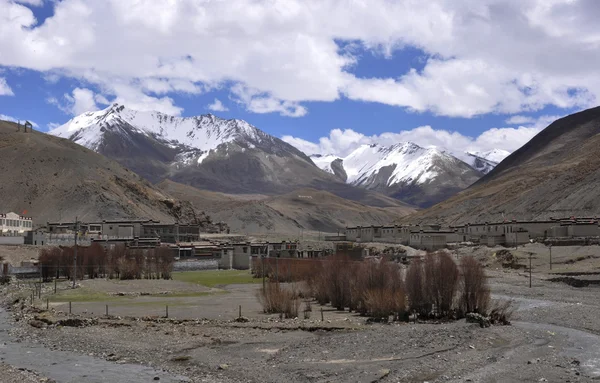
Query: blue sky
324,75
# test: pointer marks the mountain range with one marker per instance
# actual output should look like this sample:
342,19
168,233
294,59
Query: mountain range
406,171
556,174
232,156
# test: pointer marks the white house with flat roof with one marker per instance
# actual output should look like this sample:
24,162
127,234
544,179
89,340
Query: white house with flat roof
13,224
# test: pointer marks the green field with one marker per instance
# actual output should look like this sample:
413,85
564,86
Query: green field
212,278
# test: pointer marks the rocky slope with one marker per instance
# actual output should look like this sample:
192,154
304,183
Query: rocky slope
555,174
308,209
51,178
405,171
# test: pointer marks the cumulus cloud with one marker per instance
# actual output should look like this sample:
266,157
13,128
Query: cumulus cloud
217,106
14,119
258,102
35,3
490,56
4,88
81,100
517,120
342,142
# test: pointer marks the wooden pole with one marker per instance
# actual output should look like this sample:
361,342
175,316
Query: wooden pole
322,314
106,310
167,311
240,313
529,270
47,303
550,257
54,285
70,308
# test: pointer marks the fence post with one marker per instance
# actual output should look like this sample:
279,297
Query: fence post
167,311
240,313
70,307
322,320
47,304
106,310
54,285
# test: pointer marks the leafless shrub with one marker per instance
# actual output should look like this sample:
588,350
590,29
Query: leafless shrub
415,288
278,300
441,275
501,312
474,288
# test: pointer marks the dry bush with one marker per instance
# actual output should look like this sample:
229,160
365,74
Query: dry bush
375,276
381,303
337,274
278,300
415,288
501,312
441,276
474,288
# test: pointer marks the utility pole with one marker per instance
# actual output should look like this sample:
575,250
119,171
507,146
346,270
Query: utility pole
529,270
75,252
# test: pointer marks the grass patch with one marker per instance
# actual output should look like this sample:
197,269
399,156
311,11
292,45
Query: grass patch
83,295
212,278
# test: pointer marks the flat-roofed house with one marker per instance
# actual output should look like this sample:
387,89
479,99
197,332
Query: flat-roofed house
13,224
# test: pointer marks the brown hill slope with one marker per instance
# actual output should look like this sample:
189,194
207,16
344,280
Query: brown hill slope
307,208
555,174
51,178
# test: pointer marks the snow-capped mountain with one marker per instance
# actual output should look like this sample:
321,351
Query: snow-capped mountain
199,135
485,161
206,152
407,171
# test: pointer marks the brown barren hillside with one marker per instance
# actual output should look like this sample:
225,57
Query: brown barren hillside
51,178
555,174
306,208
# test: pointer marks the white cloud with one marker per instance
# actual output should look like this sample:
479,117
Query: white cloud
14,119
343,142
80,101
35,3
217,106
258,102
489,56
4,88
517,120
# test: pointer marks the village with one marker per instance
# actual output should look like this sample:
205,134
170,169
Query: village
217,279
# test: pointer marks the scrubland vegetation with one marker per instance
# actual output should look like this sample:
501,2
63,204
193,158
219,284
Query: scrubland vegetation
435,287
119,262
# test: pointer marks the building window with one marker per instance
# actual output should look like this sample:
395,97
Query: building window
245,249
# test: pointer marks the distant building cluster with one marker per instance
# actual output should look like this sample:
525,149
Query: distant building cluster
507,233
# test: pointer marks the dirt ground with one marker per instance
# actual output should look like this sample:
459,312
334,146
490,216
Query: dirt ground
554,336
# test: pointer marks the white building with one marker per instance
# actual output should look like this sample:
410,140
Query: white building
12,224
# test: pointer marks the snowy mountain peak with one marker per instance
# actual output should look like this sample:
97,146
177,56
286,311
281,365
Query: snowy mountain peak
204,132
485,161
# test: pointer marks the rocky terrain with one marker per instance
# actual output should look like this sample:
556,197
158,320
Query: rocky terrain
307,209
556,174
54,179
553,338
